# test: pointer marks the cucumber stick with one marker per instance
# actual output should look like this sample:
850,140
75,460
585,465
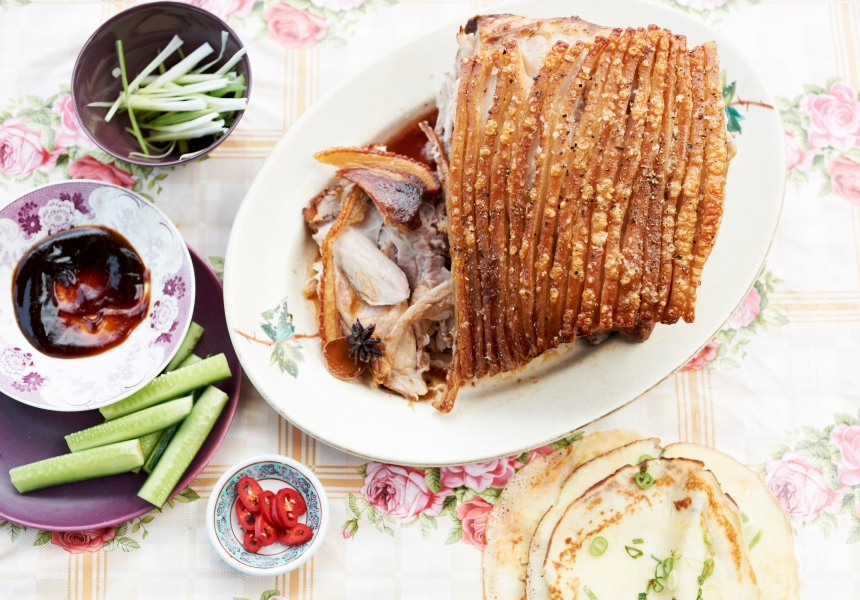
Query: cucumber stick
171,385
183,447
167,435
158,451
195,332
98,462
131,426
191,359
148,443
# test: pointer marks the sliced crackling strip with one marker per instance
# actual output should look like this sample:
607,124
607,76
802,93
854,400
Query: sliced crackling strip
463,348
587,89
633,236
685,227
515,93
352,211
445,403
710,209
475,106
558,64
484,213
640,113
616,99
560,151
522,156
586,162
437,151
500,128
673,142
658,117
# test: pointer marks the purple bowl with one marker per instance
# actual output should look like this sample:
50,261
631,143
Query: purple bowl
28,434
144,31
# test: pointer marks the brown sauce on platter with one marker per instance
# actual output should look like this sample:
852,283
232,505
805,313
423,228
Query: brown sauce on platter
410,140
80,292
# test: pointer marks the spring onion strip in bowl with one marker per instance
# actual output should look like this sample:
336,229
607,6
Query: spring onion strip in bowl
178,103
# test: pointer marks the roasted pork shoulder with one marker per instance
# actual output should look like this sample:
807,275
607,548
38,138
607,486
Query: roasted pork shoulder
585,184
578,188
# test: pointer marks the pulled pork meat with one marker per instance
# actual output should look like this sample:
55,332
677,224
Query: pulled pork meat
383,262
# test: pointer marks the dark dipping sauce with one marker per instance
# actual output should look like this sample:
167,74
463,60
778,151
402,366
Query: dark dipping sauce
80,292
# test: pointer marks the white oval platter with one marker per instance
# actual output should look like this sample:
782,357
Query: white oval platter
270,253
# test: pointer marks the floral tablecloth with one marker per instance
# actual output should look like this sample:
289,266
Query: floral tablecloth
778,387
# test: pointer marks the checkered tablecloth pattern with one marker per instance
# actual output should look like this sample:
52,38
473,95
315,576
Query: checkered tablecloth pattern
779,384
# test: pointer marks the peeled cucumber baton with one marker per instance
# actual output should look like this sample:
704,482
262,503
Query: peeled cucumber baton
184,446
195,332
171,385
89,464
131,426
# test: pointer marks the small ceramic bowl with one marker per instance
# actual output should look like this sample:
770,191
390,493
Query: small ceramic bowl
272,472
145,30
84,383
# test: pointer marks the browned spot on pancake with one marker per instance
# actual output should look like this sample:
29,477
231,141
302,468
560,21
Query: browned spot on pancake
683,503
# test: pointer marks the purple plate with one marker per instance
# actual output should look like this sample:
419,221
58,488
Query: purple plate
28,434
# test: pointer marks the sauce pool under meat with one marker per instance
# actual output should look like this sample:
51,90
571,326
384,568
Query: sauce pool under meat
410,140
80,292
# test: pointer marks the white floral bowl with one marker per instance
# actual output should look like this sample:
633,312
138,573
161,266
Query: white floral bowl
272,472
73,384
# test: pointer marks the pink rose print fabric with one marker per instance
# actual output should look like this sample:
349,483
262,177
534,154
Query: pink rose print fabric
21,150
705,355
801,488
847,439
69,133
747,312
834,118
400,492
78,542
473,518
293,28
797,158
479,476
225,9
845,178
90,168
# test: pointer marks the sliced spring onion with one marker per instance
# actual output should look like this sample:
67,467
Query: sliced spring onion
707,570
633,552
212,63
756,539
638,541
589,593
179,103
183,66
644,479
599,545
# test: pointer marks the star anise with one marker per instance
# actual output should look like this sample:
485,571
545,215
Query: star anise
363,347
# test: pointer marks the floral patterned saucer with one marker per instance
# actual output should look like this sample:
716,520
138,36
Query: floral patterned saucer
75,384
272,472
